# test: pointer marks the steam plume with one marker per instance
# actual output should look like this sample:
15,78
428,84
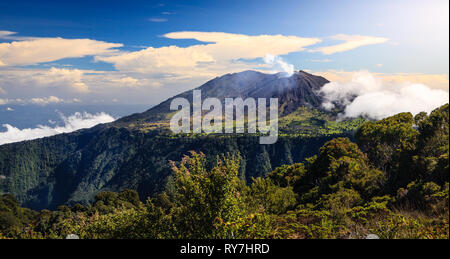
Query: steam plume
279,64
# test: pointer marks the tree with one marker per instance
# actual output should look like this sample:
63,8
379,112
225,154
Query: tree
266,197
341,165
288,175
205,200
389,145
431,161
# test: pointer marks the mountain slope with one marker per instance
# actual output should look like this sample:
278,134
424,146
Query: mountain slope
292,92
71,168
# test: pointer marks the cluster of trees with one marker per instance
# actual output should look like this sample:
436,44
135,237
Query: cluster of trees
393,182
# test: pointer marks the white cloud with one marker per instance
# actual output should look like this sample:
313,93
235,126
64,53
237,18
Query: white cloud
72,123
233,46
10,35
39,50
46,100
435,81
158,19
126,81
6,34
221,53
59,76
366,95
88,85
57,79
350,42
38,100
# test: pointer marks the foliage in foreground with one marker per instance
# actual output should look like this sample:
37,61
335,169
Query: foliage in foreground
392,182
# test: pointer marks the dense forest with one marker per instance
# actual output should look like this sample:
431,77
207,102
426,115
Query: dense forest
390,179
72,168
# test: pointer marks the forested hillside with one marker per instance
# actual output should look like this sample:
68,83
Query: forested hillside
134,152
113,159
392,180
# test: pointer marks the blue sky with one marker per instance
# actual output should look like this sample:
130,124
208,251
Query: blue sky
404,37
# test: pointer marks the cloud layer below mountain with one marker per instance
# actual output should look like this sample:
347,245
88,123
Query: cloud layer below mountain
71,123
368,96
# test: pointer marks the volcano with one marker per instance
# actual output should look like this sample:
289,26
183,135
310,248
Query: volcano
133,152
292,92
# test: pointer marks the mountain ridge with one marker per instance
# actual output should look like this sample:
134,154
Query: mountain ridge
300,89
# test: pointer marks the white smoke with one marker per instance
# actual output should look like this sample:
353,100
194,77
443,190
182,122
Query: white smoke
72,123
370,97
279,64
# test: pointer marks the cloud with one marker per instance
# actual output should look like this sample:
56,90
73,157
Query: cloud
158,19
233,46
127,81
6,34
9,100
34,80
434,81
350,42
38,101
72,123
279,64
61,76
40,50
10,35
89,85
368,96
46,100
220,53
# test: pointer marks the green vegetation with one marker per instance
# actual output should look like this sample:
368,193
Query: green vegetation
309,122
73,168
393,182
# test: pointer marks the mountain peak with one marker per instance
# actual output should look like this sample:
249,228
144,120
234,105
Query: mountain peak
292,92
